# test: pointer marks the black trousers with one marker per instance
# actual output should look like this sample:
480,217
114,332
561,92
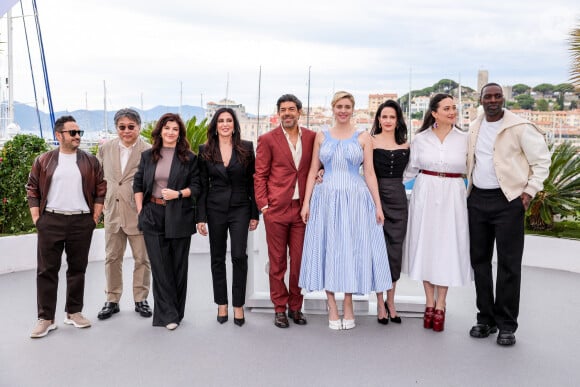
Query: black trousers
493,218
236,220
169,264
57,233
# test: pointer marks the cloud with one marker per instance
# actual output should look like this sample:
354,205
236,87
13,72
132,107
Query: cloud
149,50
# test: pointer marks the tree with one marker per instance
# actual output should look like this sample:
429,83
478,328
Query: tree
196,133
542,105
573,105
544,88
520,88
564,88
525,101
16,158
575,52
561,193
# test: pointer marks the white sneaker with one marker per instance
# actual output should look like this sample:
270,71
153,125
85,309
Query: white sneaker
42,328
171,326
77,319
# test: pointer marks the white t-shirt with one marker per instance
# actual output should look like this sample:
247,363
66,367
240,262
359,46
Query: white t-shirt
484,170
66,188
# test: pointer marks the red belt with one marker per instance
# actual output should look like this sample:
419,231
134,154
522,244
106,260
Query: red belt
159,201
442,174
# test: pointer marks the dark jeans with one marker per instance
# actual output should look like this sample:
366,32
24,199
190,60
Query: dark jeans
493,218
57,233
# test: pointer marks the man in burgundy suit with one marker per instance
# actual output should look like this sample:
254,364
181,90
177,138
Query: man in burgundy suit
282,162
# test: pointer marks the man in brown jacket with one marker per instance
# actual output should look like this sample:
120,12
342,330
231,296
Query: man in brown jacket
65,191
120,159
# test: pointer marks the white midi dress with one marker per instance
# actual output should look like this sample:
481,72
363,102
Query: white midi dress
437,245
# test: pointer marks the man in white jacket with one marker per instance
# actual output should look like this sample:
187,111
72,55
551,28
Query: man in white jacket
507,163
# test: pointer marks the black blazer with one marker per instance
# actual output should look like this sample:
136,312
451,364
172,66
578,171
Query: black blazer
224,187
179,213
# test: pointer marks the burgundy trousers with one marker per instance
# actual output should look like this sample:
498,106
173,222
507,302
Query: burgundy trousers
285,237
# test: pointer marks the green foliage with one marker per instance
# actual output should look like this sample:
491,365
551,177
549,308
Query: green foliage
525,101
542,105
561,193
94,149
147,129
544,88
564,229
573,105
417,115
16,159
564,88
574,48
520,88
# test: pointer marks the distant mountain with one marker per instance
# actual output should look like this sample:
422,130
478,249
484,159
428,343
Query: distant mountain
92,121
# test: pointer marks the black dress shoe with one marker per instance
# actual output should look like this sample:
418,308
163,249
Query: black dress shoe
383,320
481,331
506,337
222,319
108,310
280,320
142,307
297,317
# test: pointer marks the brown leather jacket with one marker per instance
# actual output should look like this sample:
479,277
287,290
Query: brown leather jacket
40,177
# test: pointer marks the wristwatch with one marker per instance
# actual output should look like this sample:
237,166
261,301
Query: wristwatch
179,194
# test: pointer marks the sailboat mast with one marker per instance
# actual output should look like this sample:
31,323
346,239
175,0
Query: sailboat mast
105,107
10,107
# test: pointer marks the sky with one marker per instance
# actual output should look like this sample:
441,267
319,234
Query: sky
151,53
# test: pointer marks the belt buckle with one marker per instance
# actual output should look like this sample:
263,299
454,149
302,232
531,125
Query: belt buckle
164,202
440,174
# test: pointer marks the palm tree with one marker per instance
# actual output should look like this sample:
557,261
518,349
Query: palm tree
575,51
196,133
561,193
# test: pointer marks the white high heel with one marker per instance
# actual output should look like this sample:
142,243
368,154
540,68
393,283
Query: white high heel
335,324
348,324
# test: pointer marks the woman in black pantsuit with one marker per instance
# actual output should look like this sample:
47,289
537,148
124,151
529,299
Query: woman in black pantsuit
165,186
390,157
226,165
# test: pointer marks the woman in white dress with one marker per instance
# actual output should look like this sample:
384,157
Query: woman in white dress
437,244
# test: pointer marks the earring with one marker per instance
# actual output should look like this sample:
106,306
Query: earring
216,133
435,125
380,127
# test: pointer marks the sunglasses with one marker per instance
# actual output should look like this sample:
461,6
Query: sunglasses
128,127
73,133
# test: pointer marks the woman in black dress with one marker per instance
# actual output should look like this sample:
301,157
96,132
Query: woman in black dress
390,157
226,165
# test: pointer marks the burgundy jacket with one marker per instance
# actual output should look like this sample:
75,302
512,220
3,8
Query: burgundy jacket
276,174
40,177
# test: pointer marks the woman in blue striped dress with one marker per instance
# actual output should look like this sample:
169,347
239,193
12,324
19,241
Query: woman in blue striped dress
344,247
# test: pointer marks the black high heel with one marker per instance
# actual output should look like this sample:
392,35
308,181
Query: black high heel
384,320
239,321
222,319
396,319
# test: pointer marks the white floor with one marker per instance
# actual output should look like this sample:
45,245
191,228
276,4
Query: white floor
127,351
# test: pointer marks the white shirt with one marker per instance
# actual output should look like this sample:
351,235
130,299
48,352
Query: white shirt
66,187
125,153
296,155
484,169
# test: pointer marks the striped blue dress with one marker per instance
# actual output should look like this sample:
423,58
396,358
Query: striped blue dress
344,247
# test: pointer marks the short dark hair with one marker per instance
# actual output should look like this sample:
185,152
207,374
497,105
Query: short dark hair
130,114
289,98
490,84
59,124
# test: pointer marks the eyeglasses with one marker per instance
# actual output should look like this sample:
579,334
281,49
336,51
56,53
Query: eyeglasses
128,127
73,133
